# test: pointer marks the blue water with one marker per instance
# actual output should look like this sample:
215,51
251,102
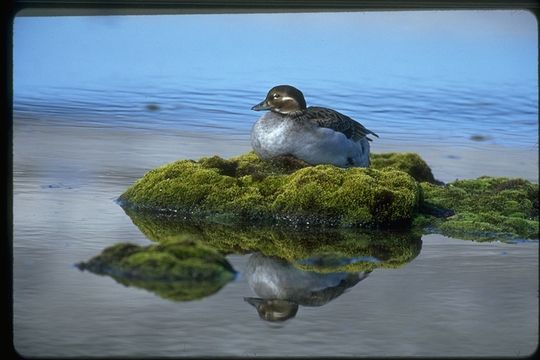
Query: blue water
449,115
409,76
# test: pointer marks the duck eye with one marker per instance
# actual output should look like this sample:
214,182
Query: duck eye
276,95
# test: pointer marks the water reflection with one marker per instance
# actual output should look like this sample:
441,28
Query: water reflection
282,287
349,250
286,269
177,291
174,270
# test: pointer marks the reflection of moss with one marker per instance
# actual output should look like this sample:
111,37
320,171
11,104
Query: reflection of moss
348,247
176,270
486,208
410,163
185,290
364,252
248,189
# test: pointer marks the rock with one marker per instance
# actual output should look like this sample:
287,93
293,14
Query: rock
410,163
397,191
479,137
285,191
178,270
152,107
486,208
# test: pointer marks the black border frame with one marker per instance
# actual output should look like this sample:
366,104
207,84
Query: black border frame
11,8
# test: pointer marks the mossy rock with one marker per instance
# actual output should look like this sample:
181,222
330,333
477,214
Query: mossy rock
410,163
487,208
350,250
285,191
396,191
176,270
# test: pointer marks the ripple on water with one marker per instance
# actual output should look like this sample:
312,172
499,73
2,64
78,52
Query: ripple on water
447,114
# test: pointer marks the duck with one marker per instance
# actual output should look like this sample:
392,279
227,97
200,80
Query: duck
282,287
315,135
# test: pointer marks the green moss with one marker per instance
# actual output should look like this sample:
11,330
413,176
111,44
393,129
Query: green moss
352,249
486,208
250,164
289,192
359,197
284,191
176,269
410,163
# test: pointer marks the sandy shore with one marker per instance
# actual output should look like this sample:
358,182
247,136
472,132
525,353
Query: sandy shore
83,151
477,160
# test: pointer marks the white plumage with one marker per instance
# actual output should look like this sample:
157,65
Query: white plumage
275,135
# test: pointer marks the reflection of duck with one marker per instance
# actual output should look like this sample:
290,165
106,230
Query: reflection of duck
282,287
316,135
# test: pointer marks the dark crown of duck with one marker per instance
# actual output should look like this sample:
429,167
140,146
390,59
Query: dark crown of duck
282,99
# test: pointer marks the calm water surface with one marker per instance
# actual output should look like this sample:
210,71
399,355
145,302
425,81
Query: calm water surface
456,298
77,148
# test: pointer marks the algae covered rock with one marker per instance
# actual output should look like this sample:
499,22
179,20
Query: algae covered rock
486,208
285,191
396,191
177,270
410,163
313,249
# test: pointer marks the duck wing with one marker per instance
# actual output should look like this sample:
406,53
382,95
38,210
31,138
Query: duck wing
336,121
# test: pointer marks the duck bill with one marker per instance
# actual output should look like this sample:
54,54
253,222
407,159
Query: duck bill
263,105
256,302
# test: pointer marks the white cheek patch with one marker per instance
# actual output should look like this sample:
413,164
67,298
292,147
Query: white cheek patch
285,98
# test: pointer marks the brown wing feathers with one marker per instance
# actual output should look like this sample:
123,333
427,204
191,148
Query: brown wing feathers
334,120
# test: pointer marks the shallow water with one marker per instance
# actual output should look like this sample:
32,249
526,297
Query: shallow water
449,114
456,298
78,145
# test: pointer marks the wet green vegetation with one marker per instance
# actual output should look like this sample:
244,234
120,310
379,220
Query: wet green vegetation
177,270
410,163
187,260
320,219
246,189
350,250
487,208
397,191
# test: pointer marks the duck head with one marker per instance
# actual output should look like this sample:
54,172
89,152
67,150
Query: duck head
273,310
282,99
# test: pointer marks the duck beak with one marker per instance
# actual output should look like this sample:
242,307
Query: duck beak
256,302
263,105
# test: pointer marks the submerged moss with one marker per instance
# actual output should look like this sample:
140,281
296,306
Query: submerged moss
486,208
350,250
284,191
177,270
